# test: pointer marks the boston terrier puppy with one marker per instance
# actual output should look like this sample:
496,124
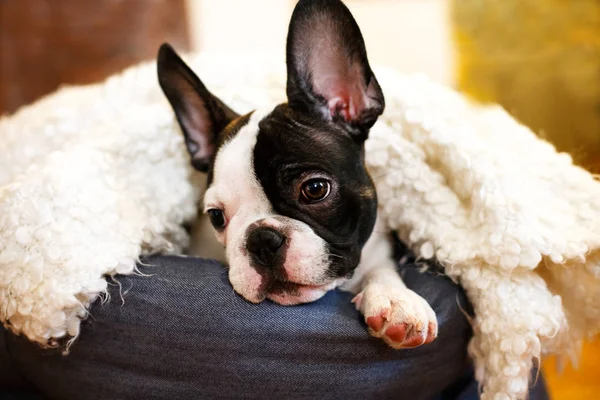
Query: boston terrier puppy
288,193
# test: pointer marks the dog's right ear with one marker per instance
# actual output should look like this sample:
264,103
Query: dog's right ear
201,115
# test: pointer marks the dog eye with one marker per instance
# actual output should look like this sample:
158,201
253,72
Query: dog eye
315,190
217,218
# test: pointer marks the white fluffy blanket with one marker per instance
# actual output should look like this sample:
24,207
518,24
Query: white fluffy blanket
91,177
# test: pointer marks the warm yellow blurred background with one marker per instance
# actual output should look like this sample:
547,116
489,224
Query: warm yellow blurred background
540,59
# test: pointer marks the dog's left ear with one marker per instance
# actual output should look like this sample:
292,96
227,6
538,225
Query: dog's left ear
328,69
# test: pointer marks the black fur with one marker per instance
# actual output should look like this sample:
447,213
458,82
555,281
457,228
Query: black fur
291,145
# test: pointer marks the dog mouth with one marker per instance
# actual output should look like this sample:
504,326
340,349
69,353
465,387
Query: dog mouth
287,286
290,293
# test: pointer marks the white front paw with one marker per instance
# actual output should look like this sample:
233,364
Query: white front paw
397,314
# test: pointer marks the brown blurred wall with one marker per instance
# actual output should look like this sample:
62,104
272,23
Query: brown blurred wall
45,43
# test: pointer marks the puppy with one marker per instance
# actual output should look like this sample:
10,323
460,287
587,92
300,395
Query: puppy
288,194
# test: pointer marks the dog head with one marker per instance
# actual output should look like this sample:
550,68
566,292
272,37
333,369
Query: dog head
288,192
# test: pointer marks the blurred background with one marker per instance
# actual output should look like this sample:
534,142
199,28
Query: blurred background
540,59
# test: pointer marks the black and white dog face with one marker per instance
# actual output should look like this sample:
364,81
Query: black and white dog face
288,192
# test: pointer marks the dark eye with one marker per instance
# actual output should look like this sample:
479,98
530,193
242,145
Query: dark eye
315,190
217,218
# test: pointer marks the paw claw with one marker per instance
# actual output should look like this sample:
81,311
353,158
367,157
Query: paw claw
431,333
414,340
357,300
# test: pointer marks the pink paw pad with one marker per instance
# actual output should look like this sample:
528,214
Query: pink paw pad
396,333
375,323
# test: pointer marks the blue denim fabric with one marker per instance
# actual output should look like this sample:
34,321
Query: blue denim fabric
182,333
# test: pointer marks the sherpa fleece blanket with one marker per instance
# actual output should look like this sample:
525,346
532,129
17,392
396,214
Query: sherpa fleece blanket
92,177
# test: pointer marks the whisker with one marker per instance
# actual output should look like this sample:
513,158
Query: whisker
381,176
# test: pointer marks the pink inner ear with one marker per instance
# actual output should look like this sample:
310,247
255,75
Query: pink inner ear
342,85
198,125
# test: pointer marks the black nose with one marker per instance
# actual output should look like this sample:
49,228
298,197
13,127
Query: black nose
265,245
